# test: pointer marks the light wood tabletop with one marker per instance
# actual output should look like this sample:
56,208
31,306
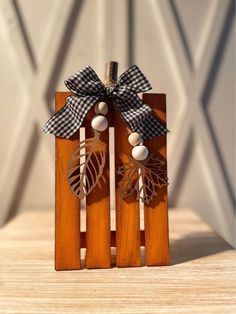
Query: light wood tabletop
201,278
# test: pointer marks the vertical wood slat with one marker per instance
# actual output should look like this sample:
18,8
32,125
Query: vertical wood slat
67,223
127,210
98,234
156,213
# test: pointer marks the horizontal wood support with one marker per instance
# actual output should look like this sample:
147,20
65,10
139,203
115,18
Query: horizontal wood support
113,238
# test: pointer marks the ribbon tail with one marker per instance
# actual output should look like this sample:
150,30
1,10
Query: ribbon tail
150,127
69,119
140,118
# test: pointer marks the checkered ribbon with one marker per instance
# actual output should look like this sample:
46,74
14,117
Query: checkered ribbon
87,90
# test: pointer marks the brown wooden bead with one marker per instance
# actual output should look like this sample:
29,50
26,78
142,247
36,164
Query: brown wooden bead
134,138
101,108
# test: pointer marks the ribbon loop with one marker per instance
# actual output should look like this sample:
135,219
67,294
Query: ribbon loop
88,89
134,79
85,82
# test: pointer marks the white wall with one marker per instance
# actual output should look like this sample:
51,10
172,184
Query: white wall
185,47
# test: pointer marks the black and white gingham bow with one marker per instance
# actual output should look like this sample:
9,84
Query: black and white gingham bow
88,89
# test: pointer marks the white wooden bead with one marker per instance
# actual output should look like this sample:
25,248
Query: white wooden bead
134,139
101,108
99,123
140,152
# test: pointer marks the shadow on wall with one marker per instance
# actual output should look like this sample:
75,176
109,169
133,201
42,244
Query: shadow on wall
24,174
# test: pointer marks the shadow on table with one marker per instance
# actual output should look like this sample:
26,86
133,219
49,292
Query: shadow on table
196,245
191,247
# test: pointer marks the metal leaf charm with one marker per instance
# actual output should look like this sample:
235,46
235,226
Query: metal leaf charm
144,178
83,176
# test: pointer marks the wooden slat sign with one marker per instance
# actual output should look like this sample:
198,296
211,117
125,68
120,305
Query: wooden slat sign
98,237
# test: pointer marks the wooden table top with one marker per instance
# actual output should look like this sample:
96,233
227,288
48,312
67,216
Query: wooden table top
201,278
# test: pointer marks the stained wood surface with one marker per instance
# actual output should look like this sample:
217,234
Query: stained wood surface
127,236
156,213
98,237
127,210
67,205
201,279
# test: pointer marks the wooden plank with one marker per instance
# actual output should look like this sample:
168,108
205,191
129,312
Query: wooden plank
98,234
127,210
156,213
67,224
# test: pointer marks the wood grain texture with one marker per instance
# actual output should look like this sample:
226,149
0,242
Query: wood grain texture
98,237
156,213
200,280
127,210
67,205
